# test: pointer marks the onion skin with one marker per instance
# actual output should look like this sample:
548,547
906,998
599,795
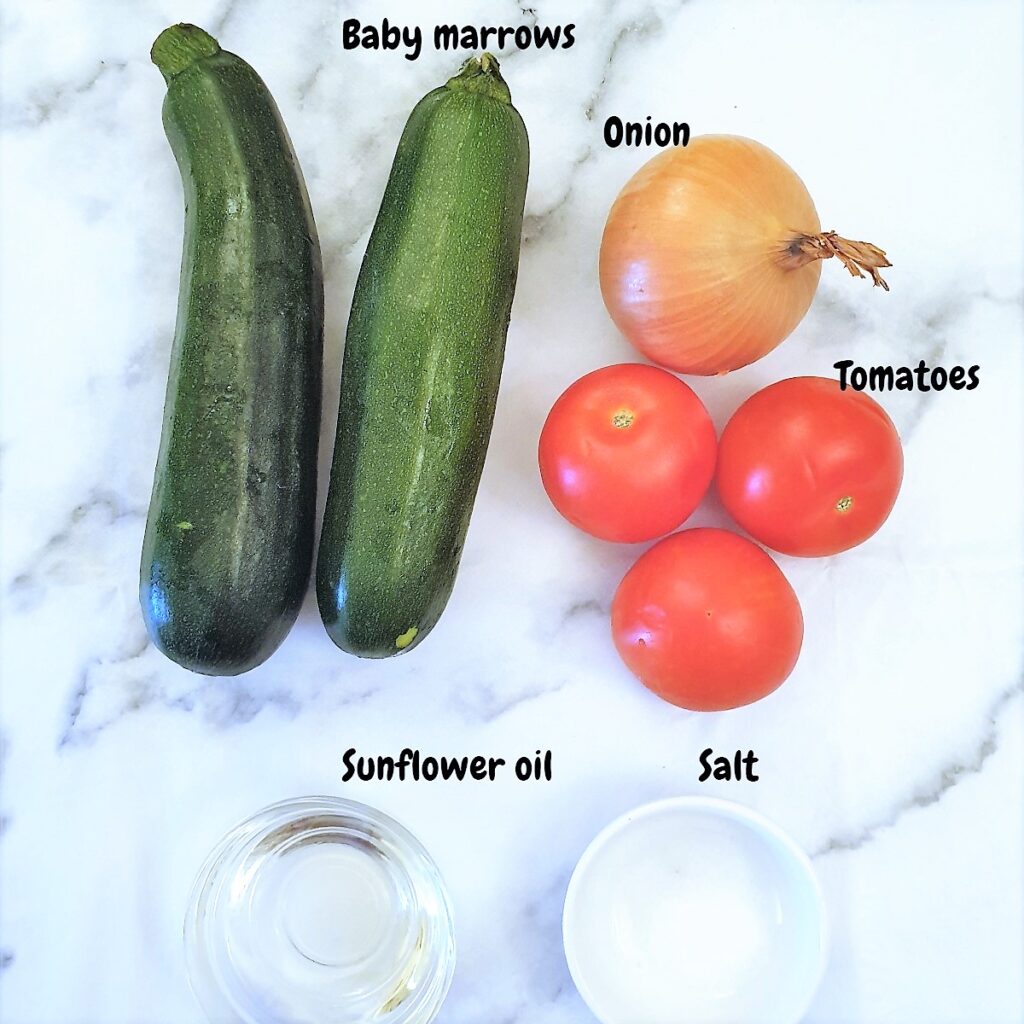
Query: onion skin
696,268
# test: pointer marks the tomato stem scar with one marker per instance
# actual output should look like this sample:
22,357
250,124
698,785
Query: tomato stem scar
623,418
844,504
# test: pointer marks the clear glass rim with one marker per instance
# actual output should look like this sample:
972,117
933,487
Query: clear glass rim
217,1002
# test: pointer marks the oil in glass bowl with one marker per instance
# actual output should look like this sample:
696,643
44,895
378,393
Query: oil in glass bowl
320,910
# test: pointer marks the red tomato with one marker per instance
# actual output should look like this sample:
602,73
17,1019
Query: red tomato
808,469
707,621
627,452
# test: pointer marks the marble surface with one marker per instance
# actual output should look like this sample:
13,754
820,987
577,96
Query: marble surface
893,755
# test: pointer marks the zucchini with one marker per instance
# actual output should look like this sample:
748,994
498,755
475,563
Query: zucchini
229,537
423,355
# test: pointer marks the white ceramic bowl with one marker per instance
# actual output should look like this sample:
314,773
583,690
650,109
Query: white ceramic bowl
694,910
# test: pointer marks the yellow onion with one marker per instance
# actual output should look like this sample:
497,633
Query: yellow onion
712,254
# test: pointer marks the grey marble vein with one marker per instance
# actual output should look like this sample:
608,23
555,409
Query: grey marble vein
56,100
102,508
537,225
136,677
630,34
231,8
484,702
134,649
583,607
939,331
932,792
6,953
306,85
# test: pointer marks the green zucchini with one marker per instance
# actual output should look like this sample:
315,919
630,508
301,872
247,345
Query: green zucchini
229,538
423,356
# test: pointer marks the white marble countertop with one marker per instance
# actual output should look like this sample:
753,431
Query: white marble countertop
893,755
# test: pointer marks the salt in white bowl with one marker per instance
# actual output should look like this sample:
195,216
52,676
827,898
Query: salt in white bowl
693,909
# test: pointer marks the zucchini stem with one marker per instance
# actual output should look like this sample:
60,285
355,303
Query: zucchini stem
179,47
482,75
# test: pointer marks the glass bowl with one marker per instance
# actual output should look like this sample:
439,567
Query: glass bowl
319,910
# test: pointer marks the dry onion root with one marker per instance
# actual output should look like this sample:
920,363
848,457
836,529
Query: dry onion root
712,254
